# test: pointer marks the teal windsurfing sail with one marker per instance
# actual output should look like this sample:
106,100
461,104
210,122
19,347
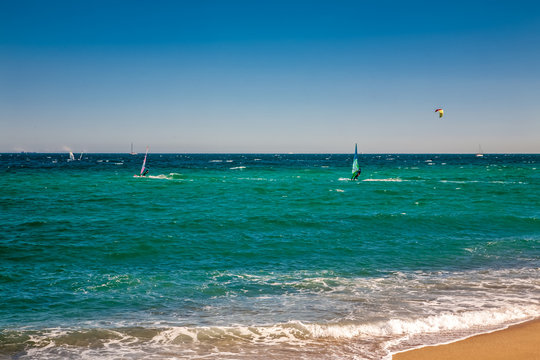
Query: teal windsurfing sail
355,167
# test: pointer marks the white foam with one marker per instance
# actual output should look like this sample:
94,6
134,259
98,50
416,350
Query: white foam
238,167
387,336
298,331
386,312
170,176
256,179
386,180
395,328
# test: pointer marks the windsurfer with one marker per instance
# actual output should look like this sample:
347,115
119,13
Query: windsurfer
356,174
145,172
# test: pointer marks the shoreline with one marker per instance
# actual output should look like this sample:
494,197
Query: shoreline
517,342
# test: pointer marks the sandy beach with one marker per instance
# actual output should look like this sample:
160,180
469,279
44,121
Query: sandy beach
518,342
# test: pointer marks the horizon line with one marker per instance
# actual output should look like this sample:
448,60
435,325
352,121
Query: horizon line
272,153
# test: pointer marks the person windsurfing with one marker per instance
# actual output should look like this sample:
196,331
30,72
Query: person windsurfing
144,170
355,167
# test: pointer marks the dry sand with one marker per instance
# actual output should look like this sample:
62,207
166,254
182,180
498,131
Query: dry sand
518,342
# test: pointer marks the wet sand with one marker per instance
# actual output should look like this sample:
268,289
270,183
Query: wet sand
518,342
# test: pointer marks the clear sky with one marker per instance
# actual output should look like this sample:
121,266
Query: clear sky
270,76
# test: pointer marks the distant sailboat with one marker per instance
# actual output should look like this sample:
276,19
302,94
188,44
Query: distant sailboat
355,167
132,153
71,156
80,157
143,173
480,153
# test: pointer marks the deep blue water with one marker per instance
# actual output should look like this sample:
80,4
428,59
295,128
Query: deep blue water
263,255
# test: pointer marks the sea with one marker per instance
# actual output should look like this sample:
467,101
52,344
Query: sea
263,256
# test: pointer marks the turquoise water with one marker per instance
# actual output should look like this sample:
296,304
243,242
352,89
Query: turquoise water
263,256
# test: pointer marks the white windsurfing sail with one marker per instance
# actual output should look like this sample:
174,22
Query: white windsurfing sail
80,157
144,161
71,156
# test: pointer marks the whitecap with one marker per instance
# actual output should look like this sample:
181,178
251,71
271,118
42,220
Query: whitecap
386,180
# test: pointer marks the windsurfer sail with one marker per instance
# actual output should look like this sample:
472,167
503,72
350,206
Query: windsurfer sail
143,168
355,167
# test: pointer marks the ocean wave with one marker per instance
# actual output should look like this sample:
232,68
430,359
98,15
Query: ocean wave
257,179
386,180
241,341
170,176
426,308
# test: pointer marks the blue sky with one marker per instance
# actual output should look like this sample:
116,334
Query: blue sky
270,76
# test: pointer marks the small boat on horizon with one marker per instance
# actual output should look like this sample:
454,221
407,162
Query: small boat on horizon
132,153
480,153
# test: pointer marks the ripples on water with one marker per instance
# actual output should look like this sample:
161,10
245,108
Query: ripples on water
252,256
